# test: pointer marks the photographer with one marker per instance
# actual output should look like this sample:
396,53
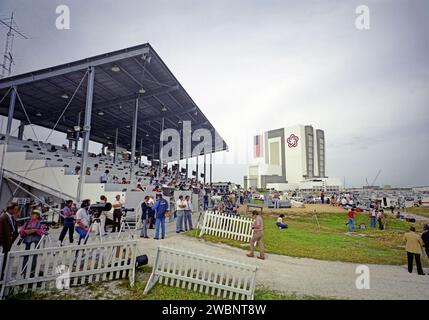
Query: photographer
31,232
83,220
68,222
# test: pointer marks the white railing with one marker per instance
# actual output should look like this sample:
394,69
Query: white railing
60,267
209,275
226,226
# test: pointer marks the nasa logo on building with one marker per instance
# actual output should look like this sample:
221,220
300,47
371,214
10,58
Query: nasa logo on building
292,141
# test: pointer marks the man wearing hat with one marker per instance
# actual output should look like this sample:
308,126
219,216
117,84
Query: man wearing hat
8,230
161,207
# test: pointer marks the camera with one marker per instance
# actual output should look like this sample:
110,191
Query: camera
96,209
125,210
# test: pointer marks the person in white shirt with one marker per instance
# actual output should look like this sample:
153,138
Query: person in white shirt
280,223
117,213
83,220
180,212
104,178
151,212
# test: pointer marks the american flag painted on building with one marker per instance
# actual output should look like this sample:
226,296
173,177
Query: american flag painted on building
258,146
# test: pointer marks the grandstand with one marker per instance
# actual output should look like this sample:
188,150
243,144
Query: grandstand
116,99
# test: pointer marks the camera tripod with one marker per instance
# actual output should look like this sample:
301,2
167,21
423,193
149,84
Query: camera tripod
201,215
94,222
125,226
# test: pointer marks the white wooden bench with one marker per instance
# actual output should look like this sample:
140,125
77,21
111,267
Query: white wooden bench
209,275
75,265
226,226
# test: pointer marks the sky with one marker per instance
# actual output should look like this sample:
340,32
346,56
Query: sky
253,65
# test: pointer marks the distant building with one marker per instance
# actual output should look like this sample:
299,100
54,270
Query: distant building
225,186
289,159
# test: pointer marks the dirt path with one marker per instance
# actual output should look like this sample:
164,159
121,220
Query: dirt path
308,276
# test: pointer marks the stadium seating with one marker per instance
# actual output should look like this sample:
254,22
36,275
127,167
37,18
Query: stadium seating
49,167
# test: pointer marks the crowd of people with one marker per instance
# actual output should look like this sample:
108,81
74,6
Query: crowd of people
78,220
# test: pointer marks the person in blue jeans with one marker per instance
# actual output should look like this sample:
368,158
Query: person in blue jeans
161,207
351,221
144,218
206,202
188,214
373,218
280,223
180,212
68,222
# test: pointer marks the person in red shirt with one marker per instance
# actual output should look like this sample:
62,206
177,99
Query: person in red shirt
351,221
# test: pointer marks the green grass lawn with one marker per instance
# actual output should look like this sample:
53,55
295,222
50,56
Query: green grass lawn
120,290
164,292
421,211
303,238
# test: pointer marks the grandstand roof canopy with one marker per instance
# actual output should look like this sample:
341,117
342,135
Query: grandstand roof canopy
119,78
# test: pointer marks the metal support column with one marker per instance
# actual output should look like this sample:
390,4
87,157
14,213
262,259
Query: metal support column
86,131
187,168
77,134
115,155
161,144
134,138
21,131
141,152
196,170
8,130
211,168
205,160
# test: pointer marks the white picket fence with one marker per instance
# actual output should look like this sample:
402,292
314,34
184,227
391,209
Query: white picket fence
226,226
209,275
61,267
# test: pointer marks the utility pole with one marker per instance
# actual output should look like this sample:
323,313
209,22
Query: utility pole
6,66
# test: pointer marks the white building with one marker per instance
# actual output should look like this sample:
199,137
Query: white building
291,158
